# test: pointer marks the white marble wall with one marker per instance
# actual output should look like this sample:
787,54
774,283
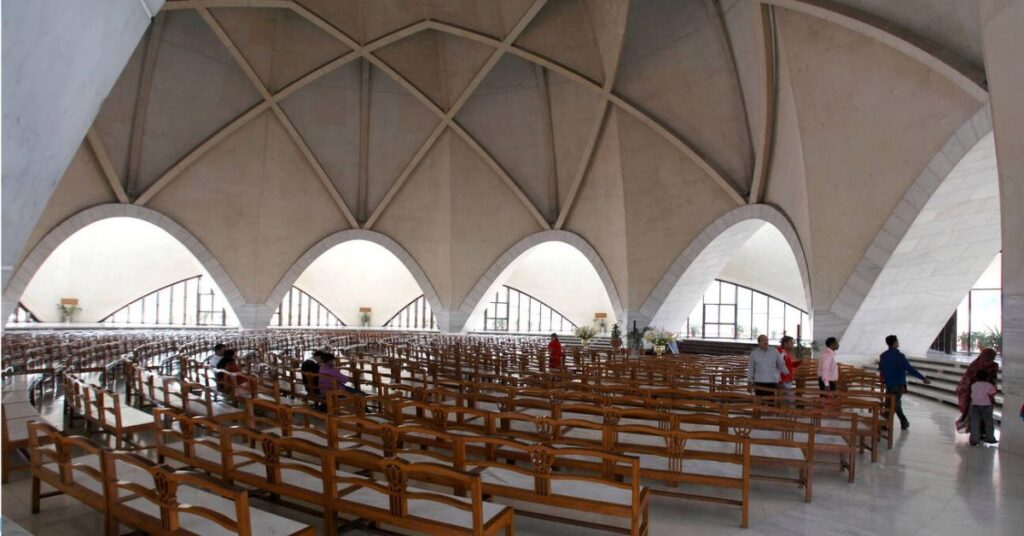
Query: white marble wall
950,243
1003,41
60,59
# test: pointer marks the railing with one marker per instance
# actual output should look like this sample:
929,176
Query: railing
299,309
189,302
416,315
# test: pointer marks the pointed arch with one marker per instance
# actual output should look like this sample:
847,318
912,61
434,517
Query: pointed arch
935,246
837,317
321,247
475,297
682,285
42,250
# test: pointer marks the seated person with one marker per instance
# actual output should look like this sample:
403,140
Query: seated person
309,368
215,357
332,379
227,365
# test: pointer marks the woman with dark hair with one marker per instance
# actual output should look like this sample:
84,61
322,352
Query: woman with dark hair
554,352
227,365
331,379
986,361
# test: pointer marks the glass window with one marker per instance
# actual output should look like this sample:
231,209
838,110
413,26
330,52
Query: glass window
728,293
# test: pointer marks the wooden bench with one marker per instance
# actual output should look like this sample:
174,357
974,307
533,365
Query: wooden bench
395,503
613,491
17,413
73,466
697,459
183,502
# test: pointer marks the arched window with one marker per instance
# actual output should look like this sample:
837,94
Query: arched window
300,309
416,315
731,311
516,311
189,302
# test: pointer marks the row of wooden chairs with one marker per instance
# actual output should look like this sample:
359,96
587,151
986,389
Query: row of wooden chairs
131,490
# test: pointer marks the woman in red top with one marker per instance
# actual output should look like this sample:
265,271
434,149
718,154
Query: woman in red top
786,349
554,352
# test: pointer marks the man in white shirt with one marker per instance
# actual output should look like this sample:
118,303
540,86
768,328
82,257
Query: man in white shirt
214,358
828,366
765,368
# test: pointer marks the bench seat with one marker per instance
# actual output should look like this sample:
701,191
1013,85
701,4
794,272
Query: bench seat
263,523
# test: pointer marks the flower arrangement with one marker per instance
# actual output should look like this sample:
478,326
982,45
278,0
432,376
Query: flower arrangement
67,310
659,336
585,333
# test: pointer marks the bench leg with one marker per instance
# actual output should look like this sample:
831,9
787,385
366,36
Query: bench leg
35,495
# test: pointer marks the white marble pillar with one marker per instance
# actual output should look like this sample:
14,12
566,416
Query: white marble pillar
1003,42
60,60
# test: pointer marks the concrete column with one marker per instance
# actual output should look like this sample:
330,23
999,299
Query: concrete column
1003,42
60,60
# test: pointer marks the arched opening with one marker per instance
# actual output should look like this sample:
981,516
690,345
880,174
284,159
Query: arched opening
125,271
550,287
947,247
745,276
357,283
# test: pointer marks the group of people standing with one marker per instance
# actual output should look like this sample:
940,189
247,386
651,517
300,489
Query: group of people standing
771,369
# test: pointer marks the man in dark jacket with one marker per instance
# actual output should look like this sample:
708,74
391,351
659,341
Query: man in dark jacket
893,366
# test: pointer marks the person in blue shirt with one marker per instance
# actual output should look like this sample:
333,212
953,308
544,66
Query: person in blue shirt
893,366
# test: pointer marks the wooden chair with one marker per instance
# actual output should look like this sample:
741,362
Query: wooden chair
396,503
612,490
695,459
183,502
71,465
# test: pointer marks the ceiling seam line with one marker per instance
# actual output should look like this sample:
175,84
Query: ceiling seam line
289,127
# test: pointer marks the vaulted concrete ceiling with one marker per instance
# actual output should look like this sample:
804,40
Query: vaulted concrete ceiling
458,127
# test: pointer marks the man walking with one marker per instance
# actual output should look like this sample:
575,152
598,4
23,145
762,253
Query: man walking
765,368
893,366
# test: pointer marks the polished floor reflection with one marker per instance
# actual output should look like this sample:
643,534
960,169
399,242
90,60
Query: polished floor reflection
931,483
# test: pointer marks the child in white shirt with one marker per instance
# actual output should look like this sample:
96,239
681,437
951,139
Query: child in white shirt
982,393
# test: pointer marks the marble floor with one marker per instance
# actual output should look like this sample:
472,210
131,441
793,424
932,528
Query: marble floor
931,483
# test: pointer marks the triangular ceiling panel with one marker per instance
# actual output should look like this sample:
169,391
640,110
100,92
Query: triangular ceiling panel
365,21
326,114
506,116
438,64
608,18
280,45
562,32
419,217
261,205
487,218
391,149
673,68
599,212
197,89
574,110
480,16
114,121
651,164
82,186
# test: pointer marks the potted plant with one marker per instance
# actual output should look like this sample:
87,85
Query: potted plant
585,333
694,331
616,339
660,338
68,307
